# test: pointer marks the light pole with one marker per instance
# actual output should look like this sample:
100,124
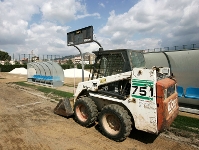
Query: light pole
175,47
82,62
193,45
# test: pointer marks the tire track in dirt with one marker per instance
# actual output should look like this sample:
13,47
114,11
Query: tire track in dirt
37,127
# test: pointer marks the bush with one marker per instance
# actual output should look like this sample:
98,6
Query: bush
8,68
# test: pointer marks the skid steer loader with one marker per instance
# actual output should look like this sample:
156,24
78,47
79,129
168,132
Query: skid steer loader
121,93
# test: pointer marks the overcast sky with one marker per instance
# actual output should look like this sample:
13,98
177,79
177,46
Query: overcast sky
42,25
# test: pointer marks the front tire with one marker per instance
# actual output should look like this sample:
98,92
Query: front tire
85,111
115,123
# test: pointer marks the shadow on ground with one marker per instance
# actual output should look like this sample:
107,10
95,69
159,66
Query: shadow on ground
142,136
135,134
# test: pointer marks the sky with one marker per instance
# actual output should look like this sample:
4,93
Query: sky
41,26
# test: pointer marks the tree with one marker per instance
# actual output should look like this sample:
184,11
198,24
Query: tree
17,63
4,56
7,63
70,62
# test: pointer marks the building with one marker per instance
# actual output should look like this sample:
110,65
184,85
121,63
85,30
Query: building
89,58
35,59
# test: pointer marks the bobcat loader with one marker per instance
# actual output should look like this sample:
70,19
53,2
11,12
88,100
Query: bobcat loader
121,93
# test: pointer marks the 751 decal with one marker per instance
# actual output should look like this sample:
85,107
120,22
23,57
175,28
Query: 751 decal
142,89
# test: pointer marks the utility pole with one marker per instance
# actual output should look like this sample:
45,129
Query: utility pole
32,55
56,56
50,57
193,45
24,56
175,47
29,58
184,46
19,58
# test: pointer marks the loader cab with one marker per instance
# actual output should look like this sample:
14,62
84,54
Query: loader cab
111,62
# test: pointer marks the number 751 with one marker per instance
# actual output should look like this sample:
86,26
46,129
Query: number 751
142,90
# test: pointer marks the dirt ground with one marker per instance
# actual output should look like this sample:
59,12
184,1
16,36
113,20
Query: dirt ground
27,122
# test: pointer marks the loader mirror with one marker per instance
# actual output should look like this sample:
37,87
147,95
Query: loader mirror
81,36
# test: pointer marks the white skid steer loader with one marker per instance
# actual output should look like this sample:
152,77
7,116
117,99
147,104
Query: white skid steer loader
121,93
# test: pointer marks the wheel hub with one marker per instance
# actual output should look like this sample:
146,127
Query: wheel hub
83,111
113,122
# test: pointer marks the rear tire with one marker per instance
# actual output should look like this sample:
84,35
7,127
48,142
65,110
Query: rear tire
85,111
115,123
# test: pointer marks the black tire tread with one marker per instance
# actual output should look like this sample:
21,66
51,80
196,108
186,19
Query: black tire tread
93,112
126,119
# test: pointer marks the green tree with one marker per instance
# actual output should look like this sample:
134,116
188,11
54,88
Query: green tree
4,56
7,63
70,62
17,63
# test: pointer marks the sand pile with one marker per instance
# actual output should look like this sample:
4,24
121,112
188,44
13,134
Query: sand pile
22,71
74,72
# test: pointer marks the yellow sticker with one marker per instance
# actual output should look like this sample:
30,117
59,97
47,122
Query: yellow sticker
103,80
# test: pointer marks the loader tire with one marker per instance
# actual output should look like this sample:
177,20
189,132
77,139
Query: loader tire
85,111
115,123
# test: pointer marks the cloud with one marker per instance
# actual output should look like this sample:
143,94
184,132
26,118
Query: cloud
61,11
88,15
21,32
168,21
47,37
102,5
141,44
14,10
147,24
14,22
65,11
13,33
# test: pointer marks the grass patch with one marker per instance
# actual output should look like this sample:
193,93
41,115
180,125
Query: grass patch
46,90
25,84
55,92
186,123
